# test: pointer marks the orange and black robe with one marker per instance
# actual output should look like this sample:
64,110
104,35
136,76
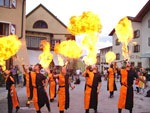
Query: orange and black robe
126,91
29,87
52,86
90,95
13,101
63,92
40,97
111,85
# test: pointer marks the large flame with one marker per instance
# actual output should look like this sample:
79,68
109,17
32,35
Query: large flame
46,57
61,61
89,43
88,23
69,49
124,32
9,46
110,57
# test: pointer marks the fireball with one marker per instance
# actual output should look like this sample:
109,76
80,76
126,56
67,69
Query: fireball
46,57
124,32
110,57
9,46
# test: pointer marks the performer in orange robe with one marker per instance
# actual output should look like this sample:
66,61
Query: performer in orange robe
13,101
111,85
40,97
92,87
52,87
29,87
126,92
63,94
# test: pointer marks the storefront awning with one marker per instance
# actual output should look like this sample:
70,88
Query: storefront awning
145,55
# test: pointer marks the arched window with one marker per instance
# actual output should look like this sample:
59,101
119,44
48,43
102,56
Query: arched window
40,24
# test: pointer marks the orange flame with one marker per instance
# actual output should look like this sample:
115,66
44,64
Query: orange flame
61,61
69,49
46,57
110,57
124,33
88,23
89,43
9,46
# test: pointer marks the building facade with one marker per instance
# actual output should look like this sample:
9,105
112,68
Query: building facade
12,22
41,24
139,53
103,63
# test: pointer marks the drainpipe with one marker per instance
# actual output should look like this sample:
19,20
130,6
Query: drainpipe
23,3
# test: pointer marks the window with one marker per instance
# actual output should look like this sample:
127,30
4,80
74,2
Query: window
139,64
149,23
117,42
137,34
34,42
4,29
136,48
53,42
40,24
118,56
148,41
132,64
5,3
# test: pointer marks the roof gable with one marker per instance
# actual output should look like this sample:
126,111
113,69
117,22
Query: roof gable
138,17
46,11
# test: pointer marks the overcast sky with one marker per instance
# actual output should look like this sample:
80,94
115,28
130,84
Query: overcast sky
109,11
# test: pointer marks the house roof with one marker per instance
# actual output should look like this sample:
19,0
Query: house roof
40,5
106,48
138,17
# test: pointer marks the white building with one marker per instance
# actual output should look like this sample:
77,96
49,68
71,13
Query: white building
140,53
103,63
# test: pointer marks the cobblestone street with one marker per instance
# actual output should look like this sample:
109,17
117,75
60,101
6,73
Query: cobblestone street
106,105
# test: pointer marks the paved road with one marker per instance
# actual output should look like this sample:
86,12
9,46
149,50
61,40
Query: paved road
106,105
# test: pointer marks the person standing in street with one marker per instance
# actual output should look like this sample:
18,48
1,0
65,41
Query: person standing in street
111,85
40,97
52,85
63,91
13,101
92,88
126,92
29,87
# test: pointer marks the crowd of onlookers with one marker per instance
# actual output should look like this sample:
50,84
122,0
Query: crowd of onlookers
17,75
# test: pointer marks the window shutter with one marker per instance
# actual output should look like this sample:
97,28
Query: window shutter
13,29
13,3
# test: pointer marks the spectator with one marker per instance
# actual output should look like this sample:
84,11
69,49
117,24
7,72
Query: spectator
20,77
2,81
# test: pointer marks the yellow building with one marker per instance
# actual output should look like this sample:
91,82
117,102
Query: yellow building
41,24
12,22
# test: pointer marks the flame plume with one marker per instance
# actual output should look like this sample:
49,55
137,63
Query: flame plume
9,46
69,49
124,32
88,23
110,57
61,61
46,57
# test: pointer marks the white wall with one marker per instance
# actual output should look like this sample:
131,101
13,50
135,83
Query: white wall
145,34
34,57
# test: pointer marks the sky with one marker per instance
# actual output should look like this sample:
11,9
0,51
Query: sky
109,11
